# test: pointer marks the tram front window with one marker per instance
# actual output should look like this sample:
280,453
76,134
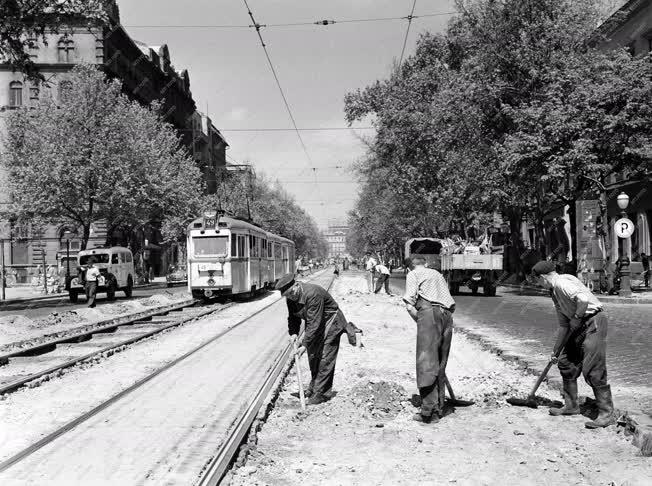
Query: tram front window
211,245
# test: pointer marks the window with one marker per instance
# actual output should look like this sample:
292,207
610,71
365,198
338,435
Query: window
64,88
98,257
66,49
210,245
32,45
234,245
114,259
15,94
34,92
242,244
277,251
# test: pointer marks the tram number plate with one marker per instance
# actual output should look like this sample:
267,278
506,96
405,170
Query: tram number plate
207,267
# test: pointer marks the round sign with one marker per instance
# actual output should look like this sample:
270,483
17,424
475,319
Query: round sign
624,228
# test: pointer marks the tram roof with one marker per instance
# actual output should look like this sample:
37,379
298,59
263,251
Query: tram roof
238,224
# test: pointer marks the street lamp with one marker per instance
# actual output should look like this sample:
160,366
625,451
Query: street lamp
626,226
66,235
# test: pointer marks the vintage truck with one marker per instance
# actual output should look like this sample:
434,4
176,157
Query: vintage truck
473,271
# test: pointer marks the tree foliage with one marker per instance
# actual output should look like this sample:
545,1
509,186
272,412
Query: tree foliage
24,21
510,110
95,155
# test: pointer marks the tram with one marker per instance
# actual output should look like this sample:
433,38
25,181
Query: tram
228,256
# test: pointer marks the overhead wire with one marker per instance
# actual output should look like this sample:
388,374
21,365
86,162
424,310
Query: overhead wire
323,22
407,31
257,26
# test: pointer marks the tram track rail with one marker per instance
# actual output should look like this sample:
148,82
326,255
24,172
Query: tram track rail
242,423
221,462
87,333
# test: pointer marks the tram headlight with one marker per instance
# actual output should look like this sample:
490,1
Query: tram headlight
211,282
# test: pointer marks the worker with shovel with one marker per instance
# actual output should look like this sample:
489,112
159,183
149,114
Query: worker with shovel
430,304
325,324
581,342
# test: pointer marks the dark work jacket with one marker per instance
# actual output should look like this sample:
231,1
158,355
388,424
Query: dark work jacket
315,305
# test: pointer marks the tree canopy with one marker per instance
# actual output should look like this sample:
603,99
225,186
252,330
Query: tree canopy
95,155
511,109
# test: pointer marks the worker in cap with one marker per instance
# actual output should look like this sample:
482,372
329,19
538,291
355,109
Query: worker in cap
324,325
583,329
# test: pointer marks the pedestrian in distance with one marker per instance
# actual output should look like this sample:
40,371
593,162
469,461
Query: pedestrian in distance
383,278
609,273
370,263
324,325
645,260
430,304
581,342
92,274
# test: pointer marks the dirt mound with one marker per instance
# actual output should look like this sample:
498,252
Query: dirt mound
156,299
381,399
56,318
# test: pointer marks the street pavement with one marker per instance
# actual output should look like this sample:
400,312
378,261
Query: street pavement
60,302
526,325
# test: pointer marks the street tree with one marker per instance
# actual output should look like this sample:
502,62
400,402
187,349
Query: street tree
95,155
25,22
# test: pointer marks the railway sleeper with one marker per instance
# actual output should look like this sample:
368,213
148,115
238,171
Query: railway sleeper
37,351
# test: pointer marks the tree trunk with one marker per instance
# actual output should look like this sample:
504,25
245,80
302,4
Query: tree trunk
572,216
86,235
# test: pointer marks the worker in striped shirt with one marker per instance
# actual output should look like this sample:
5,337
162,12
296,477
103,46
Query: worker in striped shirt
430,304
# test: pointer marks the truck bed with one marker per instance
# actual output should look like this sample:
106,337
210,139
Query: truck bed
471,262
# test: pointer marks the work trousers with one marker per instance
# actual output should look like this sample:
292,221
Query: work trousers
434,335
322,356
382,280
370,281
586,352
91,293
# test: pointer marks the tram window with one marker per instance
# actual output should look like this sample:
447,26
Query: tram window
242,240
234,245
277,251
210,245
270,249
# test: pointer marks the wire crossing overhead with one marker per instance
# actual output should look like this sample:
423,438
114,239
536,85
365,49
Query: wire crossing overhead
407,31
278,83
324,22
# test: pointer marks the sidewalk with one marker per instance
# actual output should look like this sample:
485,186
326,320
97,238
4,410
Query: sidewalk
365,435
28,293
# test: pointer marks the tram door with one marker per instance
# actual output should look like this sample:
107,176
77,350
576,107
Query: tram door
254,261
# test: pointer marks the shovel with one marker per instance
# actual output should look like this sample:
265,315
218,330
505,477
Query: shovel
297,364
454,401
531,400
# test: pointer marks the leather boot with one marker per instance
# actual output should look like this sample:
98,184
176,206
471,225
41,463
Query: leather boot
571,407
606,415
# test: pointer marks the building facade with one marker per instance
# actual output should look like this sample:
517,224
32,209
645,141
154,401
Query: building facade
147,75
630,27
335,237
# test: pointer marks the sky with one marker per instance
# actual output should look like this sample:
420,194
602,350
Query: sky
316,65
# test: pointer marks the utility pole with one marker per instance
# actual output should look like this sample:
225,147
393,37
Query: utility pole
2,269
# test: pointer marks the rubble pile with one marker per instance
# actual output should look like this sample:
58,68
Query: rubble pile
381,399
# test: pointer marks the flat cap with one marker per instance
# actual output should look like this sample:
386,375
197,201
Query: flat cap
285,282
543,267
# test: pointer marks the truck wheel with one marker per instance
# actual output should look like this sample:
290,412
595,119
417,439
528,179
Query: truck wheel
474,289
129,289
74,296
110,291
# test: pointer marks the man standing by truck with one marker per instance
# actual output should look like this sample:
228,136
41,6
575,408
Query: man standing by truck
92,274
430,304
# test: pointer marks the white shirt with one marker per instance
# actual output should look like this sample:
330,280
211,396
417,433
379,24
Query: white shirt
92,274
371,263
429,284
382,269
